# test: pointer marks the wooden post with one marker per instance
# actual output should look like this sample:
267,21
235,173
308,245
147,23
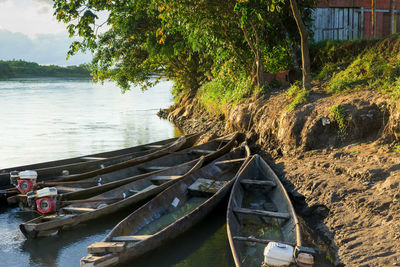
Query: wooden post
373,32
392,20
362,24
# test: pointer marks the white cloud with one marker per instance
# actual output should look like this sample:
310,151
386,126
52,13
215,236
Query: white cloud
44,49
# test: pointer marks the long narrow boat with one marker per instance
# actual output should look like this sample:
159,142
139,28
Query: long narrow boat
75,212
180,143
260,213
210,150
169,214
47,170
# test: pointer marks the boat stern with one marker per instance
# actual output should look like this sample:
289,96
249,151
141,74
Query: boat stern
99,261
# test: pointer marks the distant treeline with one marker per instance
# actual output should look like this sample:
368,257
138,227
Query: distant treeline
23,69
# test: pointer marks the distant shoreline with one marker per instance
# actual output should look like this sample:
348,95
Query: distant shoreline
19,69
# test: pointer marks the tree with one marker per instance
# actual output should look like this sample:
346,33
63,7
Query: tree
190,42
373,28
305,53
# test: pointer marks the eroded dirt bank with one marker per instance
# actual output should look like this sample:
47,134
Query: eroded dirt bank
342,173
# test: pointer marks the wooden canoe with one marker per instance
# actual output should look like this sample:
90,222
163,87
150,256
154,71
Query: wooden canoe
51,169
169,214
210,150
125,196
259,211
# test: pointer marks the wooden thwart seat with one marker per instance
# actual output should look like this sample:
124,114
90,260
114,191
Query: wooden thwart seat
258,182
229,161
128,238
279,215
201,151
76,209
164,178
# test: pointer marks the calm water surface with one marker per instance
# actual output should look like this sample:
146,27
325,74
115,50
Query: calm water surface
47,119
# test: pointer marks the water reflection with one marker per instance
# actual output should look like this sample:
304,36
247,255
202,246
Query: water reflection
52,119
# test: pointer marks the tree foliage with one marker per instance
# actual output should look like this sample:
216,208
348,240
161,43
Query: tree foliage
191,42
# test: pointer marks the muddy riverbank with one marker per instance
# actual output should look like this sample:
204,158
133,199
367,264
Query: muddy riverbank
336,155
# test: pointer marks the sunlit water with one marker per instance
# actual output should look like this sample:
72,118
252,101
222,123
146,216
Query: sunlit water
47,119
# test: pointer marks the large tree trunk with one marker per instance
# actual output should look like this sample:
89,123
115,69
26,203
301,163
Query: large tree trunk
392,18
373,32
257,56
305,53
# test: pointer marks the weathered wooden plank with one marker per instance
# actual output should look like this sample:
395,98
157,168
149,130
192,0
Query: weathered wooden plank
106,247
346,24
128,238
77,209
229,161
279,215
258,182
164,178
201,151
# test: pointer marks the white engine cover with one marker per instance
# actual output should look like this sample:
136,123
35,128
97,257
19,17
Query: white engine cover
46,192
28,175
278,254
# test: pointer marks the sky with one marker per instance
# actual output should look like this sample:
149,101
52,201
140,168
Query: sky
29,31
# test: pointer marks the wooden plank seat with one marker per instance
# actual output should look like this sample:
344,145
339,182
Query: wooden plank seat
66,189
92,158
258,182
147,188
222,162
76,209
201,151
130,238
164,178
278,215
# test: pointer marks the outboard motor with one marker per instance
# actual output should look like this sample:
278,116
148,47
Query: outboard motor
44,199
278,254
25,181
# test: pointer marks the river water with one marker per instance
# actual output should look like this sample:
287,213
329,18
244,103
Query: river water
47,119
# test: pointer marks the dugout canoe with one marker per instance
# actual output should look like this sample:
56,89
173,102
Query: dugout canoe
74,212
170,213
259,212
210,150
51,169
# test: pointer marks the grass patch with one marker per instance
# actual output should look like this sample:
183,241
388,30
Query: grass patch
220,93
339,117
298,94
360,65
396,148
